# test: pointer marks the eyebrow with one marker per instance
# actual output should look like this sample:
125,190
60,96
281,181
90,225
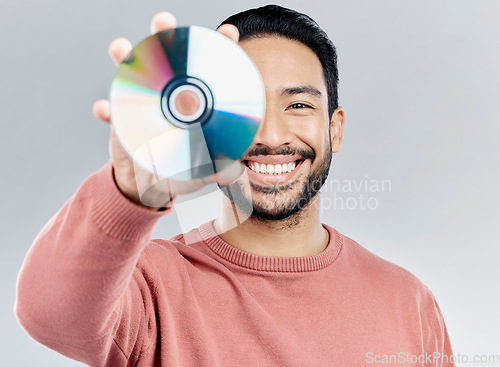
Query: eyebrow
301,89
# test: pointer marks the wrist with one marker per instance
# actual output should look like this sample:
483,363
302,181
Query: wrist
132,195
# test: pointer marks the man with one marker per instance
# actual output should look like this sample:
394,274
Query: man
279,289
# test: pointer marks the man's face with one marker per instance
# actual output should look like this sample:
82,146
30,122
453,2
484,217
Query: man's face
290,156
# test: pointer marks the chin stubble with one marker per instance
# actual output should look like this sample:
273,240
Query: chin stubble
288,211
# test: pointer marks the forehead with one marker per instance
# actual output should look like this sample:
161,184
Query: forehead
283,62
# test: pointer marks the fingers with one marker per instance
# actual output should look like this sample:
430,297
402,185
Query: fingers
119,49
229,174
163,21
101,110
229,31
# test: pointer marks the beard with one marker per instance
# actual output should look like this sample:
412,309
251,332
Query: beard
283,201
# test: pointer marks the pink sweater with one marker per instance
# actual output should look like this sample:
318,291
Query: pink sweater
95,288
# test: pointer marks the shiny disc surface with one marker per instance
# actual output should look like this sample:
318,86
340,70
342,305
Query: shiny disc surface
186,103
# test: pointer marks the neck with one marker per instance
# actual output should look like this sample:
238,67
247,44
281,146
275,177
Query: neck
298,235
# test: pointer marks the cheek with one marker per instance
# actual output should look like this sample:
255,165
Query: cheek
317,138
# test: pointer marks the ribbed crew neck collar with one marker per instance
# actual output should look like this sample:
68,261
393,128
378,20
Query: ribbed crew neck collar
272,263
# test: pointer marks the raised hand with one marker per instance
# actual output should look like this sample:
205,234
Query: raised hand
137,184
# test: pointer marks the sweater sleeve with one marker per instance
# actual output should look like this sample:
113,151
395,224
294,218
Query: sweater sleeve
77,286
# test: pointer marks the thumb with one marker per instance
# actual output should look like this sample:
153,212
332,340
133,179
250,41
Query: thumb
230,174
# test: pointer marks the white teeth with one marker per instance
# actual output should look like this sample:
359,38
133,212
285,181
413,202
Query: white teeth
272,169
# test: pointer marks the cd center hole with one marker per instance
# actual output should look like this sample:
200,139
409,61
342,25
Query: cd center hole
187,102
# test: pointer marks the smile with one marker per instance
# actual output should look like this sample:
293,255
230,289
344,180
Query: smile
272,169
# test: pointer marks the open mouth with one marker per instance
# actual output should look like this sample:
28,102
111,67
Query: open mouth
272,169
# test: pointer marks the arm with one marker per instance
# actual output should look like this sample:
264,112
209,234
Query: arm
79,291
75,283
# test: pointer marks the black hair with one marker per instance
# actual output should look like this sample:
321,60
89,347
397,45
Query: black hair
276,20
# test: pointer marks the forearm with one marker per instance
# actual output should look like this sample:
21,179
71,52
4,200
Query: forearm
80,265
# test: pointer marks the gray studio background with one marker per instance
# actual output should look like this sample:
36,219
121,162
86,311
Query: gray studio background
419,81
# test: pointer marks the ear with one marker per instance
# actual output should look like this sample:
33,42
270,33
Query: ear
337,128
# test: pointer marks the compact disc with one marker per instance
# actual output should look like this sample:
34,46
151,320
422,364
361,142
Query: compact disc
186,103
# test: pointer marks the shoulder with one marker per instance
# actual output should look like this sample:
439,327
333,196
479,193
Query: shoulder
372,265
380,277
182,252
392,293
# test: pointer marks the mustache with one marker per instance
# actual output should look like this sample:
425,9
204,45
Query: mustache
283,150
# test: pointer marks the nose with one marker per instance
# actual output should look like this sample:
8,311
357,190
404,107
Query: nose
274,130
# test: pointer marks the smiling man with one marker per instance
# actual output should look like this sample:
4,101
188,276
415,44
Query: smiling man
278,289
289,159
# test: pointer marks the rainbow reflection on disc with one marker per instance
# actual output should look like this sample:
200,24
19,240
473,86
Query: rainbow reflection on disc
186,103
